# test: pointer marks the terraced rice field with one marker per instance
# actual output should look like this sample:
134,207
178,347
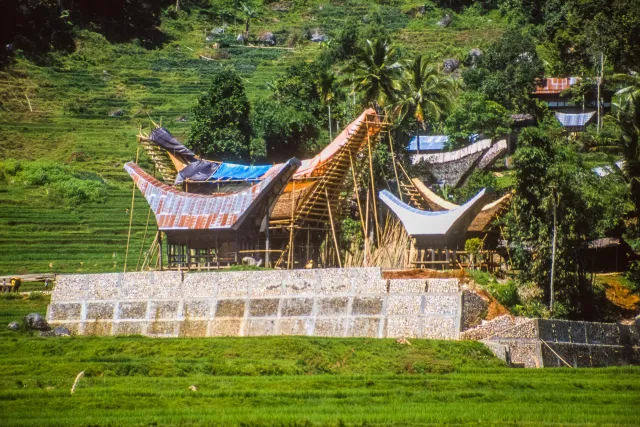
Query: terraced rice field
84,111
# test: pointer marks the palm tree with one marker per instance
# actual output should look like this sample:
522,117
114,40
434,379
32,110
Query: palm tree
249,14
327,93
626,117
375,71
629,94
424,93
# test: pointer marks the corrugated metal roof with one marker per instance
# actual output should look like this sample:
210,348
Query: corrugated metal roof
554,85
177,210
574,120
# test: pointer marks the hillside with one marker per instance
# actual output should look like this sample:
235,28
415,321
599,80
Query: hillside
80,114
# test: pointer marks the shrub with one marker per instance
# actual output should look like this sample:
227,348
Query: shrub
10,167
41,172
78,191
36,296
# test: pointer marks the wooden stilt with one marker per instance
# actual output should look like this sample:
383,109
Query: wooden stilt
395,168
293,203
355,190
160,249
373,187
133,198
333,229
308,244
366,233
267,243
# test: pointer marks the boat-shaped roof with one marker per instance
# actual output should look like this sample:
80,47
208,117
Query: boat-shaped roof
178,210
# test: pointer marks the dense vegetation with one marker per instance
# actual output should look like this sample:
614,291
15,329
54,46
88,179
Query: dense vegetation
293,381
80,77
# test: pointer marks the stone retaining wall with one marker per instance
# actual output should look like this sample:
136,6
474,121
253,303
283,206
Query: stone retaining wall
556,343
354,302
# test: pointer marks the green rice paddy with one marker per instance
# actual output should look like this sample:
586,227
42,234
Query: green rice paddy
291,381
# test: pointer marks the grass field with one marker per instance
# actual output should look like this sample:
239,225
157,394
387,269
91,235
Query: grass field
291,381
84,110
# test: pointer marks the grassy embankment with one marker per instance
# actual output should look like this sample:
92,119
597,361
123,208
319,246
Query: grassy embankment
291,381
70,122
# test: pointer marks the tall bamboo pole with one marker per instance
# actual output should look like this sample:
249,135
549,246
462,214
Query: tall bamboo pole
373,188
355,190
366,235
293,202
395,168
333,229
133,198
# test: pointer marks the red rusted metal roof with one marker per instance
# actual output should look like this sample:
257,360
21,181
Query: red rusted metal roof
177,210
554,85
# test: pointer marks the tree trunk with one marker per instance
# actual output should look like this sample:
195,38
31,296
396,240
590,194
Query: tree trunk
330,136
553,251
246,28
599,100
177,5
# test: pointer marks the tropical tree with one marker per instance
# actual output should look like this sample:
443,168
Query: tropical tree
424,93
221,128
629,94
327,93
474,113
627,119
558,206
249,14
375,71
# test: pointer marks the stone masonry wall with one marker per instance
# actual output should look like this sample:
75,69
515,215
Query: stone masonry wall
557,343
354,302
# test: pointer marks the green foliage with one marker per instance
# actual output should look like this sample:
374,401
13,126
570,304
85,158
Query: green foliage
34,27
374,72
76,191
62,184
505,291
633,276
478,180
286,131
36,296
576,32
553,182
473,245
298,87
508,71
473,114
424,95
221,128
351,233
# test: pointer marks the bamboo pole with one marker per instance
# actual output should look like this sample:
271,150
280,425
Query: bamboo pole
373,188
133,198
366,234
355,190
293,200
333,229
144,239
395,168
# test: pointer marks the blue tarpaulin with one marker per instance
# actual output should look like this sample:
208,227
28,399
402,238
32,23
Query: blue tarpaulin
433,142
228,171
428,143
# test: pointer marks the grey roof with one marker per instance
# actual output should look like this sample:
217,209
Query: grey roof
440,226
579,120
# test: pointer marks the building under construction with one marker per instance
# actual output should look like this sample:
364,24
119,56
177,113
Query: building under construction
286,215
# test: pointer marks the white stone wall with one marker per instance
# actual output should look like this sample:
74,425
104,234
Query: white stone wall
320,302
